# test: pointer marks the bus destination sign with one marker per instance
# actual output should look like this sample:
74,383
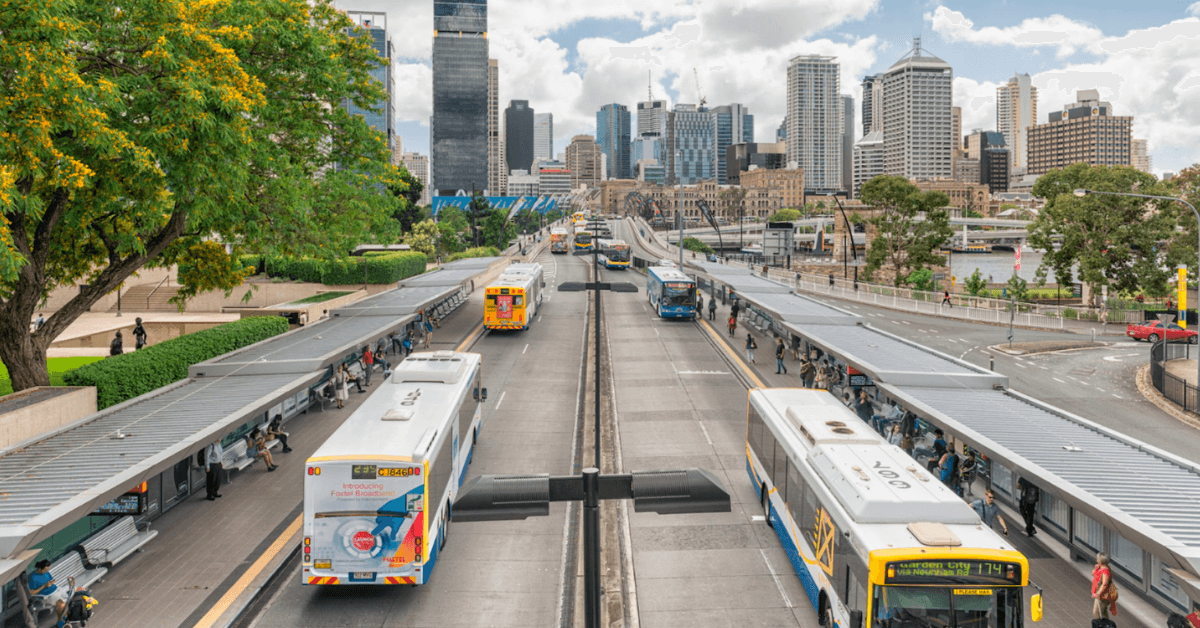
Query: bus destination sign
953,571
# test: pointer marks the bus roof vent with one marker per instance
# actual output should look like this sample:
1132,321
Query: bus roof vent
443,355
402,414
934,534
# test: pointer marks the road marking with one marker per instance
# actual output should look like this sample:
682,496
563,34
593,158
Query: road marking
775,576
710,443
1100,389
501,400
758,518
906,322
952,340
1117,358
1072,378
470,339
737,359
525,349
962,339
1020,365
239,587
1058,380
701,372
1118,396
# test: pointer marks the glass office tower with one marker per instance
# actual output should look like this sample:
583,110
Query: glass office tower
458,137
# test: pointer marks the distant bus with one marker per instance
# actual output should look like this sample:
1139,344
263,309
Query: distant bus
672,293
377,493
578,218
558,240
613,253
583,240
512,300
878,542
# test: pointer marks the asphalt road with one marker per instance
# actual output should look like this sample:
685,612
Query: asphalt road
495,573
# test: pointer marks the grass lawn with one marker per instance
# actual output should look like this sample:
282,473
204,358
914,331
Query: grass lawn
57,366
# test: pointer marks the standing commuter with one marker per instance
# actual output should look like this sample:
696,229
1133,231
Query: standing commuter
863,408
213,456
948,467
700,304
712,308
988,511
341,388
734,309
808,372
780,351
1029,501
1104,590
732,326
368,363
750,347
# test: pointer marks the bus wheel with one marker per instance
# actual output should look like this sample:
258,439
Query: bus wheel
766,506
445,528
824,612
475,437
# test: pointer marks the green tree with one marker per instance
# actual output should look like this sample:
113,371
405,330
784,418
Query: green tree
911,229
975,284
785,215
408,189
496,230
423,238
1115,242
478,209
449,238
1018,288
921,279
694,244
134,131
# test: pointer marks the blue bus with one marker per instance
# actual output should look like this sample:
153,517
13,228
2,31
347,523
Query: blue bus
672,293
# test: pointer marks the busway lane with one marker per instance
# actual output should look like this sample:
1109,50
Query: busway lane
679,406
503,573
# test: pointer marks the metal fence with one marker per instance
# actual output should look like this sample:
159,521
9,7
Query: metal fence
1171,386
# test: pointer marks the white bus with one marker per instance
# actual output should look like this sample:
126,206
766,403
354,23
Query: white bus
377,494
876,540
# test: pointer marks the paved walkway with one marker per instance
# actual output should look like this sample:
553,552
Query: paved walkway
90,323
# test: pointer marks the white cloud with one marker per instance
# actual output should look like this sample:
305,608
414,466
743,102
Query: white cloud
978,103
1194,9
1056,31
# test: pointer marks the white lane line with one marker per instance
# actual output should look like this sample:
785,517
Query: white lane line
775,576
952,340
963,339
1100,389
525,349
701,372
1058,380
656,333
906,322
500,400
1072,378
1118,396
1020,365
706,437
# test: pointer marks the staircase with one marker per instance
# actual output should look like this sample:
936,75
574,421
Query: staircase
148,298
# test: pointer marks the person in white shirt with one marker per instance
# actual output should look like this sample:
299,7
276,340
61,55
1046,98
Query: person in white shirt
212,464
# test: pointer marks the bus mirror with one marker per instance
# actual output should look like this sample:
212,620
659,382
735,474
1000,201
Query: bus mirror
1035,607
856,619
475,394
483,396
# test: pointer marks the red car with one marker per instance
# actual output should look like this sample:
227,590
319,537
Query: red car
1157,330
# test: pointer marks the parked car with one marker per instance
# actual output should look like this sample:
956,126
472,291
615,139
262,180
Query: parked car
1157,330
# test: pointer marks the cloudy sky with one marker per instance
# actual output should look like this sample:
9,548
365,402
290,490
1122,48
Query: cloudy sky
570,57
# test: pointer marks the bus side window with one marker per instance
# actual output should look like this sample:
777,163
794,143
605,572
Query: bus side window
767,457
795,493
779,476
808,517
755,429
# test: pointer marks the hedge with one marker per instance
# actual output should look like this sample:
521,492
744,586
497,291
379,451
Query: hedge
479,251
387,268
123,377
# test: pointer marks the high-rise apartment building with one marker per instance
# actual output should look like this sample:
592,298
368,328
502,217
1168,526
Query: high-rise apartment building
652,118
816,120
497,163
847,143
418,166
733,124
543,136
691,136
1016,111
380,117
917,125
612,133
872,104
868,159
458,129
554,177
518,135
1139,156
956,136
1084,131
583,160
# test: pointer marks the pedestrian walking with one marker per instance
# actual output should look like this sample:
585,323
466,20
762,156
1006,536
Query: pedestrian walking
213,456
275,430
1104,591
946,298
139,333
396,344
368,363
831,281
341,386
750,347
428,332
780,351
734,309
712,308
38,322
808,372
114,348
700,303
1030,495
732,326
988,511
408,343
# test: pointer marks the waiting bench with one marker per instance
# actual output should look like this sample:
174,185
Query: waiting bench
116,542
238,455
69,566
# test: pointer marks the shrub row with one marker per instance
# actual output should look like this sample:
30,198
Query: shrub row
387,268
126,376
479,251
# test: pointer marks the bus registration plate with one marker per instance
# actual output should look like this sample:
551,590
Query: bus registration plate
363,575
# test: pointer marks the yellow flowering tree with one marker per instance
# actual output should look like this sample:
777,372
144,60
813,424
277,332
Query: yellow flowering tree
132,132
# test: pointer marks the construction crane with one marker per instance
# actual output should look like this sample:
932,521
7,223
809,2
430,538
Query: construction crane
699,94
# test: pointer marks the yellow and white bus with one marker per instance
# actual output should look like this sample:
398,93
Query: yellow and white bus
613,253
559,240
512,300
583,239
377,493
877,541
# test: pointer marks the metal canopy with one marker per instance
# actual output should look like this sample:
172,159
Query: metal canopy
894,360
793,308
50,483
398,302
1146,495
745,284
452,277
479,263
719,270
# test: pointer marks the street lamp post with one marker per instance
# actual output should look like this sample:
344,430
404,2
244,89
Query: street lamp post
1082,193
850,231
679,209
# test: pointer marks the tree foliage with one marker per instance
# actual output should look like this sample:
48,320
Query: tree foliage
408,190
132,131
786,214
911,228
423,237
496,230
975,284
1124,244
920,279
694,244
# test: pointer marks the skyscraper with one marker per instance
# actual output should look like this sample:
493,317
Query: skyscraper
543,136
612,133
816,119
956,136
691,132
418,166
733,124
868,160
872,103
1084,131
1016,111
380,117
781,130
583,160
916,116
848,143
989,148
652,117
458,129
497,165
1140,157
518,135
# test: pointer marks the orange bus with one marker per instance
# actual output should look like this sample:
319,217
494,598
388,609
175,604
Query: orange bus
512,300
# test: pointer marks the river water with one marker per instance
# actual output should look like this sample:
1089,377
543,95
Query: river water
998,264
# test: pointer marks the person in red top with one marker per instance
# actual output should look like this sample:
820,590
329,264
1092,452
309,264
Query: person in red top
1104,590
368,360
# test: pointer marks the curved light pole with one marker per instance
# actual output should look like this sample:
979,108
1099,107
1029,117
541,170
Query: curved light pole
679,209
1082,193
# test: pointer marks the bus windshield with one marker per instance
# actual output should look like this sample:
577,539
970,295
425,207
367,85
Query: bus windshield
619,253
583,237
944,607
677,294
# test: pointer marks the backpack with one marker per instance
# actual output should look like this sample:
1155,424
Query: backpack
79,607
